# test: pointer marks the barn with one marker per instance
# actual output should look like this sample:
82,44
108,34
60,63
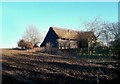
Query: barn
62,38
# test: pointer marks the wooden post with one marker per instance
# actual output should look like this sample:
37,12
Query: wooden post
97,78
69,38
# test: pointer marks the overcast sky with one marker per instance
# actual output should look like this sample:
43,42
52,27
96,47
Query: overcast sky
17,16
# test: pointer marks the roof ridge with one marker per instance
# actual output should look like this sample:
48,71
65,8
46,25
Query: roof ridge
68,33
61,28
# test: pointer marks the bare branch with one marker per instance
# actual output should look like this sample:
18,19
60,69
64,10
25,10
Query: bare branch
32,35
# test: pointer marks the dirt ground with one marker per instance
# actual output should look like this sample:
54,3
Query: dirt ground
31,67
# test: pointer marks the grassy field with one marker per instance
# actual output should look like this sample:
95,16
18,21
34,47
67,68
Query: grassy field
33,67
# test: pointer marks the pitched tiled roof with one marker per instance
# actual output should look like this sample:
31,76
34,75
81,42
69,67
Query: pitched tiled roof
71,34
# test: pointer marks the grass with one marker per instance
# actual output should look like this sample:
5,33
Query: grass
31,67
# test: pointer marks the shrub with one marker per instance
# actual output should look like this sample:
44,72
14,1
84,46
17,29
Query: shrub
29,45
49,47
22,44
103,50
36,45
116,48
25,45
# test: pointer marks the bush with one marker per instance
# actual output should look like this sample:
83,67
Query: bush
103,50
22,44
49,48
116,48
36,45
25,45
29,45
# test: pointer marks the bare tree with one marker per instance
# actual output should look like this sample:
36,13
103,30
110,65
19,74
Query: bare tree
94,26
32,35
101,30
104,31
115,29
106,34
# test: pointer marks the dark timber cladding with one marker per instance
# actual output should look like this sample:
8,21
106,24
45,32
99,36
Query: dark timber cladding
65,38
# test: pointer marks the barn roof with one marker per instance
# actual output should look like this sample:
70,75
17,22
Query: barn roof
71,34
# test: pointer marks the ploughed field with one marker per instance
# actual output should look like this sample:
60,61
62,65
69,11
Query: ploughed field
31,67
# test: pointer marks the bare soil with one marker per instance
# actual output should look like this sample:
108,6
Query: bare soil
33,67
